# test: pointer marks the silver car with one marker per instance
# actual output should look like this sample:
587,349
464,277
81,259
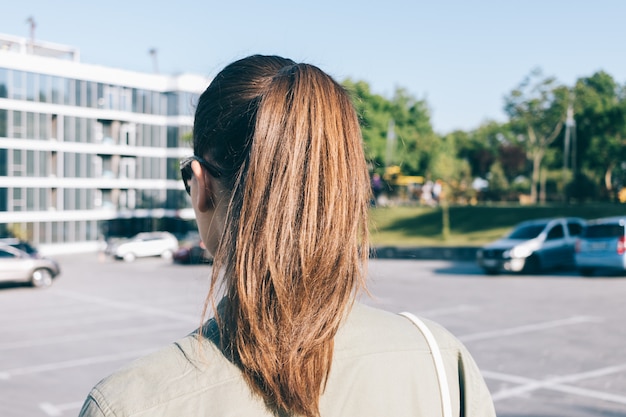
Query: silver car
145,244
533,246
602,246
19,266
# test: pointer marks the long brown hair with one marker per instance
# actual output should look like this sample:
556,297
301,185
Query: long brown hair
295,244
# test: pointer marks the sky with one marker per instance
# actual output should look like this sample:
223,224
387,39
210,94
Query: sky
461,57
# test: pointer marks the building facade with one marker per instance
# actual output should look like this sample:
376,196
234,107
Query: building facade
86,151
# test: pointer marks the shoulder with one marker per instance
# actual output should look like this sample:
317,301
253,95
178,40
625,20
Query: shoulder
383,355
174,374
369,328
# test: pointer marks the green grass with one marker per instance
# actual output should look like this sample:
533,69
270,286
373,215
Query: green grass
469,225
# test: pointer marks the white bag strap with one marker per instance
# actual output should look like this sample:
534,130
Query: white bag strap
446,402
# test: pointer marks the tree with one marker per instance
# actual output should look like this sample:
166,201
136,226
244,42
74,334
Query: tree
537,108
412,127
600,111
498,183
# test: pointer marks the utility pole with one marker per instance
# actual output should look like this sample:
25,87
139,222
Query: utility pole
155,64
569,143
31,23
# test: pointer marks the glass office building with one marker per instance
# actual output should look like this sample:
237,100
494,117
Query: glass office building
89,151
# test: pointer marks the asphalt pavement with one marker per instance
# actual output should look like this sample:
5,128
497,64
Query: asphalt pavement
548,345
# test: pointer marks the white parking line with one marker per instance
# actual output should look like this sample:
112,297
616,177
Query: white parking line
91,336
9,373
57,410
52,311
129,306
462,308
557,384
529,328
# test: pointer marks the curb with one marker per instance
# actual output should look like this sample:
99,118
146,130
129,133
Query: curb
462,253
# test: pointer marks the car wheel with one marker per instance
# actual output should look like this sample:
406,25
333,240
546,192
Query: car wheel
586,272
41,278
129,257
167,255
532,265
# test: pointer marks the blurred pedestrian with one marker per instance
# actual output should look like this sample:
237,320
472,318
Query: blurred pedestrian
377,187
437,190
280,189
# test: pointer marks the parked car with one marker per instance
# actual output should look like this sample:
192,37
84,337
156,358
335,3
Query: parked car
145,244
602,245
19,266
191,250
533,246
21,245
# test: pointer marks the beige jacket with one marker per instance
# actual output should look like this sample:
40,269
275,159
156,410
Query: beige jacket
382,366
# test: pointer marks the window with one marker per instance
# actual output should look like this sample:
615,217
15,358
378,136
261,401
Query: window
147,105
3,199
127,168
44,126
7,254
172,169
43,164
78,90
68,129
3,162
89,130
89,86
574,228
44,235
53,167
89,165
30,163
78,165
100,95
68,231
68,92
68,165
44,88
30,86
128,134
125,99
111,97
78,130
606,230
4,83
56,90
18,125
556,232
54,231
68,199
18,163
30,125
146,136
43,199
172,103
17,85
18,199
3,123
30,199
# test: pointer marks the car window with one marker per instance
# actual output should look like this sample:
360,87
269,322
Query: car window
527,232
574,228
556,232
604,230
6,254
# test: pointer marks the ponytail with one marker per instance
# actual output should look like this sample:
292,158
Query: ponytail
295,246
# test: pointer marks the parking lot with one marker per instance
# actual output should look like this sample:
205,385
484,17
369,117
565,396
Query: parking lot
549,345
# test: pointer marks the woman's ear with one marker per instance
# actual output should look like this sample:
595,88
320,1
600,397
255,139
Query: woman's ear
202,198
